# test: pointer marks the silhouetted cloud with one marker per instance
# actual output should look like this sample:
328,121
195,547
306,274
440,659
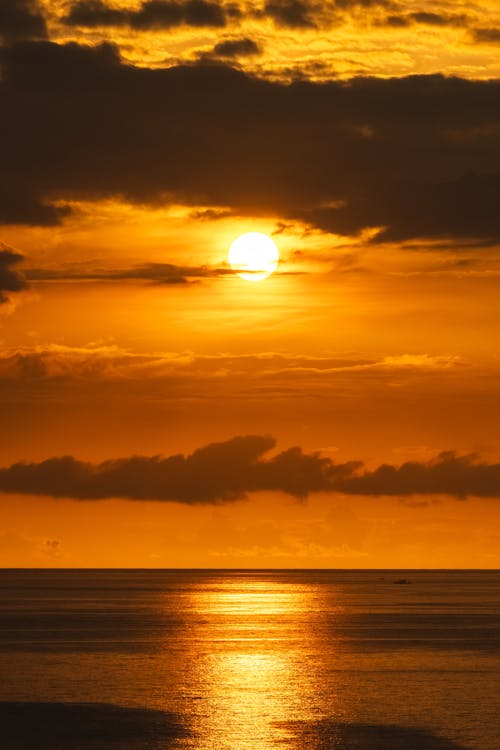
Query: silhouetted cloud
218,472
21,19
237,48
292,14
10,279
439,19
164,14
423,18
395,21
153,14
158,273
228,471
413,157
94,13
447,474
489,35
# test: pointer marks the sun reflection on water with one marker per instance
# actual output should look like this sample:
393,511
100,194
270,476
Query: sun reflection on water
253,673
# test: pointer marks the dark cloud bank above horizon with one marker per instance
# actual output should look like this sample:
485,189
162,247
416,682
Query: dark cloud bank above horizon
229,471
416,156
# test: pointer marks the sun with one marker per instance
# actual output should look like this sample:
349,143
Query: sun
254,256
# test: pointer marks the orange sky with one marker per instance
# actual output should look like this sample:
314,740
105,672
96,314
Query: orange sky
123,331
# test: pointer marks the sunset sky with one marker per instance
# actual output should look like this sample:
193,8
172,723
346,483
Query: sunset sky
157,410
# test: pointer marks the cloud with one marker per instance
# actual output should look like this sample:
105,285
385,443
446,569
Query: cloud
412,157
94,13
107,362
151,15
51,547
292,14
237,48
164,14
395,21
486,35
423,18
21,19
10,280
228,471
438,19
218,472
447,474
158,273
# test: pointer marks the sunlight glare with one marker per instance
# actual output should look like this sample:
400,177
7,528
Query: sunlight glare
254,256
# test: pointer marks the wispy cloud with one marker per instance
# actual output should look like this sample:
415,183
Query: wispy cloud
158,273
107,361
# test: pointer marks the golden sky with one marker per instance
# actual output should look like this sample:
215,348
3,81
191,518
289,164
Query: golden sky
157,410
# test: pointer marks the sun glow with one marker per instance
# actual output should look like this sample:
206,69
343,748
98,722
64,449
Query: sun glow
254,256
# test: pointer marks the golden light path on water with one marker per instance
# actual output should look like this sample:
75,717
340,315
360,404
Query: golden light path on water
253,675
251,660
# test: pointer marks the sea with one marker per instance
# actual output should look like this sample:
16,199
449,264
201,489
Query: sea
249,660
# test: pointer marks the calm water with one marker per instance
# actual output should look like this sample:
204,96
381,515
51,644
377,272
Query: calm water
245,660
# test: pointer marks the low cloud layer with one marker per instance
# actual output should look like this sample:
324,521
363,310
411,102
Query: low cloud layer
11,280
228,471
218,472
447,474
101,362
412,157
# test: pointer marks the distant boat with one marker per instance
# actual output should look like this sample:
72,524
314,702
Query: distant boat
401,580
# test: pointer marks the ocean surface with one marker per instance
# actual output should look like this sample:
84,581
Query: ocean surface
249,660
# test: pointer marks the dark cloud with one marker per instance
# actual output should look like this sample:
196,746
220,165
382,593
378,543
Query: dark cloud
397,22
161,14
237,48
438,19
462,207
486,35
158,273
292,14
10,279
21,19
157,14
426,19
94,13
447,474
416,156
153,14
224,472
219,472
